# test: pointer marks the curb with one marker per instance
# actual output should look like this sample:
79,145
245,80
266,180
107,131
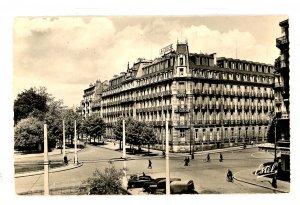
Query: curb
255,184
28,174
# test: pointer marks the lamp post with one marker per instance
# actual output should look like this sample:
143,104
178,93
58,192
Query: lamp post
46,163
275,141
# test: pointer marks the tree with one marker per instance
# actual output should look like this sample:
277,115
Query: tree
95,126
107,183
30,102
28,134
137,133
148,136
118,130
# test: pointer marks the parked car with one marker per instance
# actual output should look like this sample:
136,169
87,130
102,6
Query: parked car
160,188
136,181
182,187
151,186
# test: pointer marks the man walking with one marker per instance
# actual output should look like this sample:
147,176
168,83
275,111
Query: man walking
149,164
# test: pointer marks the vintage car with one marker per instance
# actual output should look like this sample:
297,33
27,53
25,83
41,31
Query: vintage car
136,181
182,187
151,186
160,188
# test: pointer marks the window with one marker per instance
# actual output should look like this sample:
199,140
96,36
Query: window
182,133
180,61
181,71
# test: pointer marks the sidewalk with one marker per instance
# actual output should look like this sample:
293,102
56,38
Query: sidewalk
59,169
53,152
248,177
112,146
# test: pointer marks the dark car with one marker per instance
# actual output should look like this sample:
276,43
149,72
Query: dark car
160,188
151,186
136,181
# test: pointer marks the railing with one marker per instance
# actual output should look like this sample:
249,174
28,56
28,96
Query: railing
197,91
181,109
278,85
181,93
278,101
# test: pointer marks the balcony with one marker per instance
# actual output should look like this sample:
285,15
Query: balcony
285,115
239,93
167,107
197,107
197,91
181,93
181,125
218,107
258,94
204,92
278,102
225,107
167,93
265,95
246,94
231,107
211,106
204,106
197,122
181,109
259,107
281,42
239,107
278,85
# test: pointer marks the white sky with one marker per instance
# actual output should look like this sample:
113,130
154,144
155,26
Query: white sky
66,54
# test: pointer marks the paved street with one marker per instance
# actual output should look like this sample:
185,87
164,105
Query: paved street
208,177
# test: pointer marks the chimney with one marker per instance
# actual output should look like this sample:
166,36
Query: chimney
215,58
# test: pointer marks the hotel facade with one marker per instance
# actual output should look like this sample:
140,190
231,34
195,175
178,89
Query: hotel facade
209,102
282,95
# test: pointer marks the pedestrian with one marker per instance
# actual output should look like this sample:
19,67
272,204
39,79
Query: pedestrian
144,174
193,156
66,159
274,182
185,162
188,161
149,164
208,158
229,176
221,157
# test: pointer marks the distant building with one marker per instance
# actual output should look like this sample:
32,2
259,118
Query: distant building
92,96
282,96
210,102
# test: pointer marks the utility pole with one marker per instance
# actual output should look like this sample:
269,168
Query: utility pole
64,139
46,163
167,159
275,141
75,144
124,156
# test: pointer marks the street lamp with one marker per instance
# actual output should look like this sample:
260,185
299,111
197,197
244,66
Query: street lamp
275,142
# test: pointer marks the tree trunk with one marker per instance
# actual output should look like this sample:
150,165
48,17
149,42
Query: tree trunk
120,145
148,149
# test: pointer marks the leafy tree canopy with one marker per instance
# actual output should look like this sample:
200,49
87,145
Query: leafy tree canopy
30,102
105,183
28,134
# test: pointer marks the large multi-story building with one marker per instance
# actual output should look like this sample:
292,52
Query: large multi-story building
209,102
92,96
282,95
